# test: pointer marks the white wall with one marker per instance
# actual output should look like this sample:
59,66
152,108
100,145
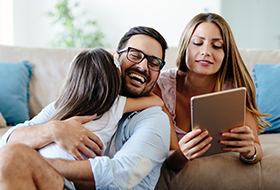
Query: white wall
114,17
255,23
31,26
6,22
168,17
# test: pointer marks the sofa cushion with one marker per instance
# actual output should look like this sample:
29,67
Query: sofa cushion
14,96
267,82
227,171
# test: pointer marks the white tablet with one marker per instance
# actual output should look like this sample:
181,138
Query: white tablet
218,112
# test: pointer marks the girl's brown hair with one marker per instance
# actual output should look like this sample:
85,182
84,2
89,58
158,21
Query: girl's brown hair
91,86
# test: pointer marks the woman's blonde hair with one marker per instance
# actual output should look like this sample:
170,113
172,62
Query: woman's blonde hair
233,72
91,86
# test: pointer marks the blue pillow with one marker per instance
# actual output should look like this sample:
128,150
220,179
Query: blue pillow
267,82
14,96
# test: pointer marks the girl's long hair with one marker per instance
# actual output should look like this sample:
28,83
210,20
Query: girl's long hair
91,86
233,72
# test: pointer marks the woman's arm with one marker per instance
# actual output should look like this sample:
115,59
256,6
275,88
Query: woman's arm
138,104
248,143
191,146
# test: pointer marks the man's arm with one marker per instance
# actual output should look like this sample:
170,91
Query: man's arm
142,142
35,134
69,134
78,172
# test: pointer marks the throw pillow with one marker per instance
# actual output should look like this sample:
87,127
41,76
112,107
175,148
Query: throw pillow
267,82
14,96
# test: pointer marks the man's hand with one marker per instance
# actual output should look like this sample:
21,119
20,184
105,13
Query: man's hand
71,136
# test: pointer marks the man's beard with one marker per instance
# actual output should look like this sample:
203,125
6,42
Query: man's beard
128,92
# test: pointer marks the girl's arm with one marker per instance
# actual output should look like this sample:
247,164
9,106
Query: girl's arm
173,137
138,104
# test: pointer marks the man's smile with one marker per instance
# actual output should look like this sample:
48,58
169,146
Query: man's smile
137,78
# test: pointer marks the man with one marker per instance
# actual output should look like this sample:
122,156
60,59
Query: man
139,147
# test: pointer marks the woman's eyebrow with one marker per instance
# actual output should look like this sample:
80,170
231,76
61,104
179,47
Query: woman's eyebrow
203,38
217,39
199,37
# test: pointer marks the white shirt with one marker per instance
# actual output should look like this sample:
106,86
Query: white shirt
103,127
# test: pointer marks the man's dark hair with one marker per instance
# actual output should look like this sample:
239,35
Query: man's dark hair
144,31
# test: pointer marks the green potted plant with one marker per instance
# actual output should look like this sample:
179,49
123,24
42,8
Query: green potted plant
76,30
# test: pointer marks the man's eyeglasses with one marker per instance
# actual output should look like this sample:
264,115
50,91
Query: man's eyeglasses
137,56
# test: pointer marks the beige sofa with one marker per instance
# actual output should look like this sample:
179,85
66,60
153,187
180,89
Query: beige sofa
223,171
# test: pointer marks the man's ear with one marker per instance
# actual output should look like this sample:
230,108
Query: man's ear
116,61
115,54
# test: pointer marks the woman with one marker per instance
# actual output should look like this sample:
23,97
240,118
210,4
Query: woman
208,61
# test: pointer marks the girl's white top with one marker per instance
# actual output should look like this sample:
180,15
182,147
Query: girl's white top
103,127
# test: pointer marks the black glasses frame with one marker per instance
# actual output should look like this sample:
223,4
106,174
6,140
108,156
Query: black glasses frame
162,63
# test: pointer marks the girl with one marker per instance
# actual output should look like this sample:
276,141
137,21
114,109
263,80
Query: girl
92,87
